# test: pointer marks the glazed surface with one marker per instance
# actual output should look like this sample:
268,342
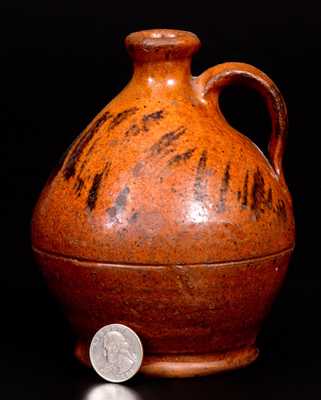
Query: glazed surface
159,177
181,309
176,310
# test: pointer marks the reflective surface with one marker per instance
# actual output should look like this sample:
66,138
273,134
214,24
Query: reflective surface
111,391
116,353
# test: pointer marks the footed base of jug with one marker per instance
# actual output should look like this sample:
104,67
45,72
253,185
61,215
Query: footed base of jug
184,366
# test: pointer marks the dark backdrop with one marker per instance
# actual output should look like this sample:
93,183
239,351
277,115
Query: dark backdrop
60,63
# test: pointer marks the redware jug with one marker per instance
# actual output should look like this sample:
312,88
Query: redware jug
164,218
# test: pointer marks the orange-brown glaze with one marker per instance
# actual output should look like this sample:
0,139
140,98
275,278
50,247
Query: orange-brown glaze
161,189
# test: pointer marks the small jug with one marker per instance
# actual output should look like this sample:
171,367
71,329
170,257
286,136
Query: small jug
163,217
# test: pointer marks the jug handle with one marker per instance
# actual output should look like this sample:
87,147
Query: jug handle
214,79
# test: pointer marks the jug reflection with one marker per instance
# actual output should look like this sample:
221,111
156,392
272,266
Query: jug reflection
111,391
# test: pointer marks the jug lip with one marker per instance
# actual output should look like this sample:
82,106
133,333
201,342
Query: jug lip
156,44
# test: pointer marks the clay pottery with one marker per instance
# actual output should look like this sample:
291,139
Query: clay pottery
164,218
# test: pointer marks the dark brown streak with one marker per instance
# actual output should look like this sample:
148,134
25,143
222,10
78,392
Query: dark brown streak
280,210
82,167
245,190
78,186
107,168
120,117
155,116
224,187
133,130
178,158
166,140
200,182
84,163
94,189
70,167
258,193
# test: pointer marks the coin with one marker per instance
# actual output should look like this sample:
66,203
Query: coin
116,353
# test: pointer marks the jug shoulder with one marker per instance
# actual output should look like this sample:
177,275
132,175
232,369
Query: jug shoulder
163,185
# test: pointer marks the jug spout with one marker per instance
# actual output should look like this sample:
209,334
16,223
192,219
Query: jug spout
162,58
161,44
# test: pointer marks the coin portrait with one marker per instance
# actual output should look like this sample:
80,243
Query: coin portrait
117,352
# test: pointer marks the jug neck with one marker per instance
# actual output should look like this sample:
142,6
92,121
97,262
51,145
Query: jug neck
162,59
168,74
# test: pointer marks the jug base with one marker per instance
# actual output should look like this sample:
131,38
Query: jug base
183,365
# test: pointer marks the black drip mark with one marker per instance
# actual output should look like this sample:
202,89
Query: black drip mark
121,116
155,116
280,210
224,188
106,168
94,189
120,204
178,158
166,140
261,198
78,186
258,193
200,182
70,167
245,189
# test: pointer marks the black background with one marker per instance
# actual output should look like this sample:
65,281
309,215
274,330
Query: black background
60,63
